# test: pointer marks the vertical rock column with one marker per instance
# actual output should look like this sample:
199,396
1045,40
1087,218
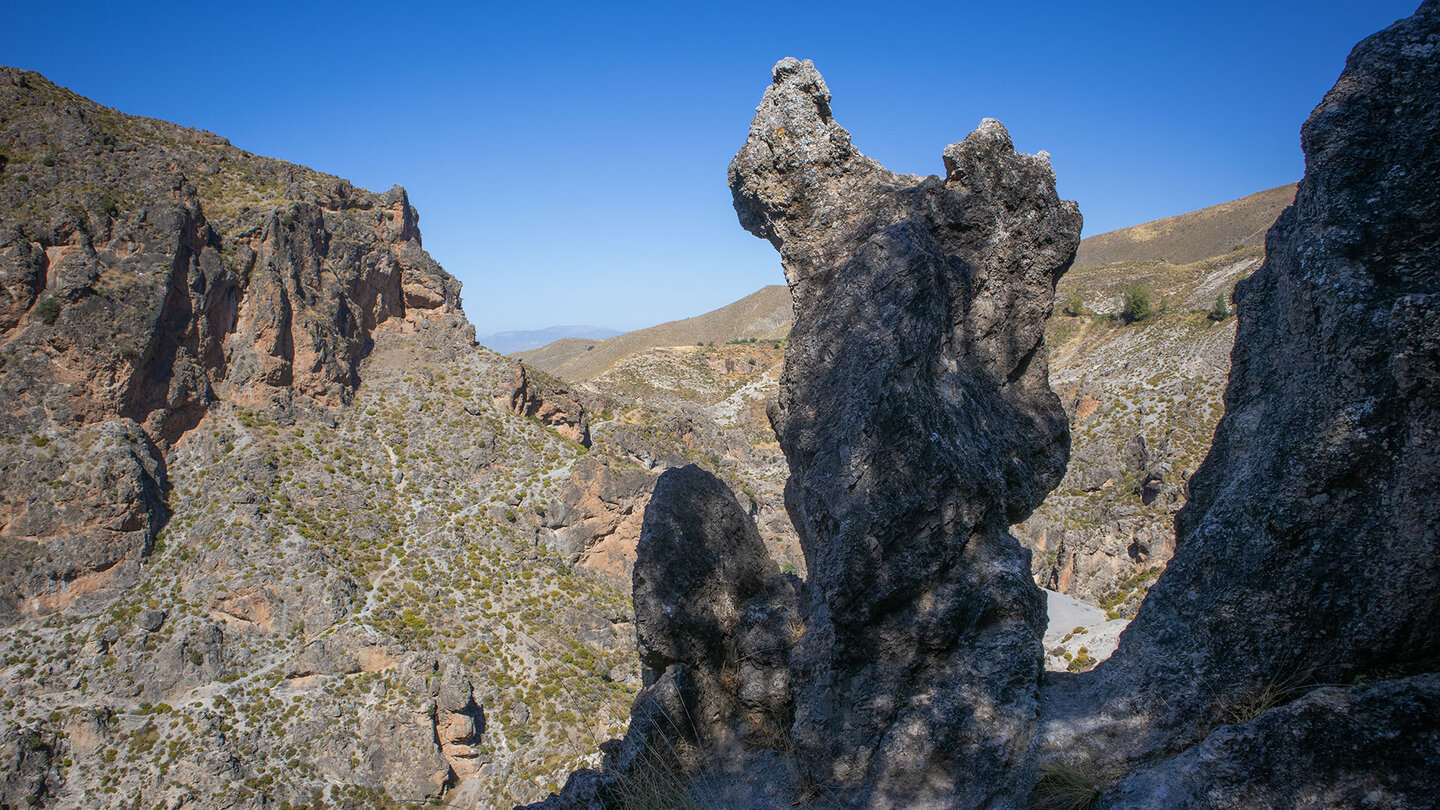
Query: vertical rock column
1308,553
917,418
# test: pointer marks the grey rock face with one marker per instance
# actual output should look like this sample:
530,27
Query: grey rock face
1307,553
918,423
1305,754
708,599
715,622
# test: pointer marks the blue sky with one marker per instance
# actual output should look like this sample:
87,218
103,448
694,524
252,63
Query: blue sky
568,160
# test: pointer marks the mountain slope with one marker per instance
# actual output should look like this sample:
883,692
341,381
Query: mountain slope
764,314
1190,237
268,516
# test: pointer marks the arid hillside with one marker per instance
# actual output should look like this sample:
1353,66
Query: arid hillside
764,315
1190,237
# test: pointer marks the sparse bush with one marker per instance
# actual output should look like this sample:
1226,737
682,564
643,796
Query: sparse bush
1220,311
1067,786
1135,303
1074,304
48,310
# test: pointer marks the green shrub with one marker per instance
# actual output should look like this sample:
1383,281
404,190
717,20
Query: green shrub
1074,304
48,310
1220,311
1135,304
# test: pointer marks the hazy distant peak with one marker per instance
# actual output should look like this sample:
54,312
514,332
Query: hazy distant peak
523,339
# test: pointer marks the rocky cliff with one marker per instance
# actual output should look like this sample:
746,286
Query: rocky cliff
1298,616
268,517
148,272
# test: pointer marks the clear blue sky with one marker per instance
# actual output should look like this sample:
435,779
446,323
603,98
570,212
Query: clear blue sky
568,160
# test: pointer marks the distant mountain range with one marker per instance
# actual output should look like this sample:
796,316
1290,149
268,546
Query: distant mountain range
521,340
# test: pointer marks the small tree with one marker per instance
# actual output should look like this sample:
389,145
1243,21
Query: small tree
1074,304
1135,304
48,310
1220,311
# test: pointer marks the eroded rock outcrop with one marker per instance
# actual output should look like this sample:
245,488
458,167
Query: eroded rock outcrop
715,623
542,397
918,423
597,523
1307,553
143,283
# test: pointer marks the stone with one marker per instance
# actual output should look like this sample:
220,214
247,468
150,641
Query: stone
715,620
1306,554
1363,746
918,423
542,397
151,620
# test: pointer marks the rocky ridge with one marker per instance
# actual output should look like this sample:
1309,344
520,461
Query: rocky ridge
269,517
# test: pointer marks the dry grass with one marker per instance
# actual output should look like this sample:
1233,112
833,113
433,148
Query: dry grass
1068,786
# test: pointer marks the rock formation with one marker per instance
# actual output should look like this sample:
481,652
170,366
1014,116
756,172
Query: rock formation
138,290
918,423
1306,555
715,623
548,400
266,536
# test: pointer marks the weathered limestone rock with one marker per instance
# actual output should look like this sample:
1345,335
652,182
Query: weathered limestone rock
1307,553
918,423
597,523
1363,746
705,592
546,399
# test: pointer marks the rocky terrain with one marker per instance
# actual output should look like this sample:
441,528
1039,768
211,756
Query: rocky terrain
1288,654
1142,398
269,518
1297,621
275,532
